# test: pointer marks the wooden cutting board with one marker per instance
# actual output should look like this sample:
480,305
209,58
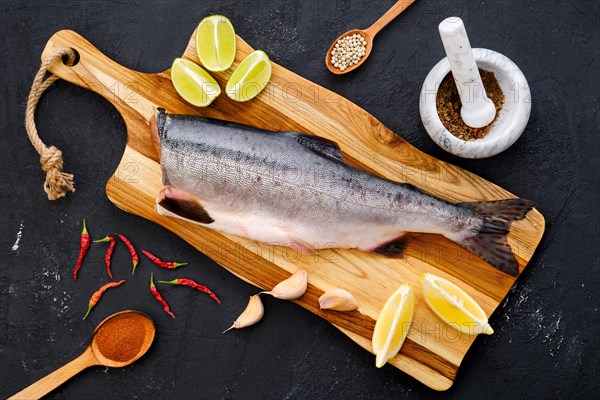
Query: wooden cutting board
433,351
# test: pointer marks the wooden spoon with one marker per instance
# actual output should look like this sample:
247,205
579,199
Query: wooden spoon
368,34
90,357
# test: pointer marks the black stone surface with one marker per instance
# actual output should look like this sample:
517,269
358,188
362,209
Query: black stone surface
545,345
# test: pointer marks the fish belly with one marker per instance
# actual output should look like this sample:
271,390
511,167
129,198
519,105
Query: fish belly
305,238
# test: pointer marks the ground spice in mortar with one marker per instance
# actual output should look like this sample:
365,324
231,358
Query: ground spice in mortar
449,105
121,338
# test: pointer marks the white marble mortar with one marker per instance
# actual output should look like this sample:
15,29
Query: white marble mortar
511,119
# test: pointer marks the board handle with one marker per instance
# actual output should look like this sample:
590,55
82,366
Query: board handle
127,90
94,71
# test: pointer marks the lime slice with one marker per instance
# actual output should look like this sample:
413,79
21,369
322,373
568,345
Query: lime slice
393,324
250,77
215,43
454,306
193,83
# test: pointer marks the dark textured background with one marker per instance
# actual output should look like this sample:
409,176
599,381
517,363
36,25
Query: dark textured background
545,345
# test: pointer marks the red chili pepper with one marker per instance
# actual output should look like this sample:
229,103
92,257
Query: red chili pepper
96,296
109,251
84,242
134,257
158,297
164,264
193,284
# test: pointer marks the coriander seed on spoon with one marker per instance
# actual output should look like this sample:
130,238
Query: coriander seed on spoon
351,49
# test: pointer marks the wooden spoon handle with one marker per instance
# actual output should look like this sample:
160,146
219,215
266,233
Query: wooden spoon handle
57,378
388,17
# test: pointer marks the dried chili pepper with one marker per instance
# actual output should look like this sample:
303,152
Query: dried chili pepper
134,256
194,285
164,264
158,297
84,242
109,251
96,296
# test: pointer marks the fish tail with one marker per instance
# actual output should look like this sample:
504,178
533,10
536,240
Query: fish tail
490,242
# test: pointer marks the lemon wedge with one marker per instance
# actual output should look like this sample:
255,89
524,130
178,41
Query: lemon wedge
193,83
454,306
250,77
216,43
393,324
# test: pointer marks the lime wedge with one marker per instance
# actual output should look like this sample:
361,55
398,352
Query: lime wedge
193,83
250,77
215,43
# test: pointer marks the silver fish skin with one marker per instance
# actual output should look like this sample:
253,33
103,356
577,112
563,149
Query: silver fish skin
295,189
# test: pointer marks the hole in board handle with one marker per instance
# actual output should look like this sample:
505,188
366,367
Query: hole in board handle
65,59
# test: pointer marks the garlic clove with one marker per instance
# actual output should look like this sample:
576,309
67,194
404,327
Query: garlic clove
338,299
291,288
251,315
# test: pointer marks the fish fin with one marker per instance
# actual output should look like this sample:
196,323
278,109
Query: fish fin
321,146
490,242
501,210
301,247
394,248
183,205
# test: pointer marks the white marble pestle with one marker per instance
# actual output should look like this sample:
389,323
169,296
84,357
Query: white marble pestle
464,62
477,109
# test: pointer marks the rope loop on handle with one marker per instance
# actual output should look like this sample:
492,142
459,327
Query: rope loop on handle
57,183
